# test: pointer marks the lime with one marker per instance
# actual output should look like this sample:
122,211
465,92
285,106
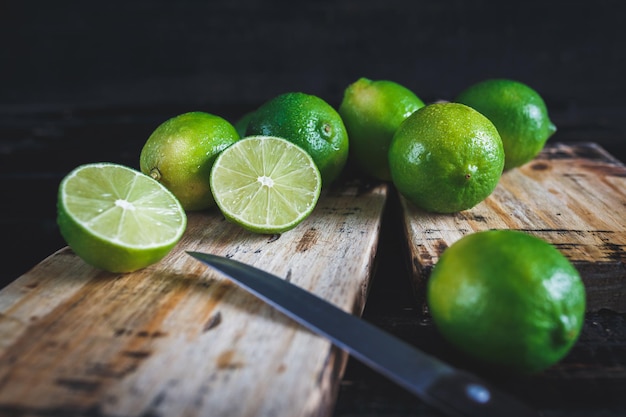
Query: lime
265,184
508,299
446,157
309,122
180,154
116,218
371,112
242,123
518,112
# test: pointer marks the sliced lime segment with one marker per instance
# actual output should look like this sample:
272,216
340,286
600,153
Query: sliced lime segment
265,184
116,218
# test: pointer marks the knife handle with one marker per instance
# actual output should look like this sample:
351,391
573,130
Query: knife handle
464,395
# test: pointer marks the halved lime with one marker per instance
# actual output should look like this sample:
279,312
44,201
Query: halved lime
116,218
265,184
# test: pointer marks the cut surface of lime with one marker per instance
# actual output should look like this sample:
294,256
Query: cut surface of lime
116,218
265,184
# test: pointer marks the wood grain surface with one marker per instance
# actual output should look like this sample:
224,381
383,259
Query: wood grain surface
573,196
177,339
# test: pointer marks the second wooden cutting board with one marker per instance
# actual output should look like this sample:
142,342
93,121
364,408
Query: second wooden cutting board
573,196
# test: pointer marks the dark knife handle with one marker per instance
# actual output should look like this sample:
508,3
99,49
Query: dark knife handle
464,395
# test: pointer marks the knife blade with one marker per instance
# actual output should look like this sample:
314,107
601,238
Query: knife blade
452,391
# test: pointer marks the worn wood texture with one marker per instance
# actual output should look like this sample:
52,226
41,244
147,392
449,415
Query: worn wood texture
177,339
573,196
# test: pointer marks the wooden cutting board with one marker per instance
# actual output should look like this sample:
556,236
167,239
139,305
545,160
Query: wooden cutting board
573,196
177,339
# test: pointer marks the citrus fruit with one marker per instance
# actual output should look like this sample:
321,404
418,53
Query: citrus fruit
508,299
180,153
265,184
242,123
518,112
116,218
371,112
309,122
446,157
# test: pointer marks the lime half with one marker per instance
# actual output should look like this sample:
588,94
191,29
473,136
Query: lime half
265,184
116,218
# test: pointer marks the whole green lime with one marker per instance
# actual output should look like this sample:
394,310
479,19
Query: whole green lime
181,151
518,112
446,157
508,299
372,112
309,122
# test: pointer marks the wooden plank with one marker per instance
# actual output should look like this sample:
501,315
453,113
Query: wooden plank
573,196
177,339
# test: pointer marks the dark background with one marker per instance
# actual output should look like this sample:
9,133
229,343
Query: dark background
67,55
89,81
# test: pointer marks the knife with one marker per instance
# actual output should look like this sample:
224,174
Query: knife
454,392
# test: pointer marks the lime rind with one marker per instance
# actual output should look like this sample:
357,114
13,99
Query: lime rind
117,218
265,184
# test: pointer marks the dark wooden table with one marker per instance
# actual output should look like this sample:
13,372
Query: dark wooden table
90,83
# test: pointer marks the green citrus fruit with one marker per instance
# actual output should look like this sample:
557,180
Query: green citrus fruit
309,122
241,125
518,112
117,218
371,112
508,299
446,157
180,153
265,184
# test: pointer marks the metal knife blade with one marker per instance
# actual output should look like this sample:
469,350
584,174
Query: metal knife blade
452,391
